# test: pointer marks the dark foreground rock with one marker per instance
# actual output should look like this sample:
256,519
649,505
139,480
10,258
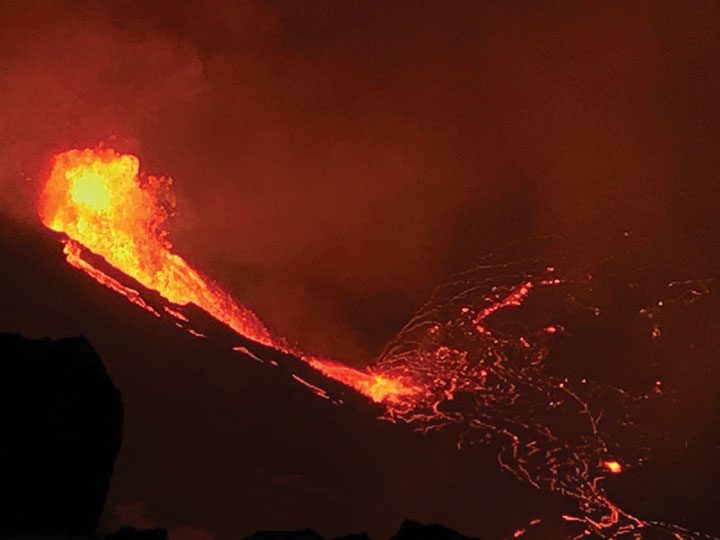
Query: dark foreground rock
303,534
61,428
359,536
131,533
409,530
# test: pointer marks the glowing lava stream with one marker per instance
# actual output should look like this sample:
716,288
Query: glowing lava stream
99,199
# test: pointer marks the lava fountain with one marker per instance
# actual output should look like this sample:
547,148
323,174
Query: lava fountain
102,202
450,365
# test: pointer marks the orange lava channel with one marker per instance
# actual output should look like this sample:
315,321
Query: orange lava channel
100,200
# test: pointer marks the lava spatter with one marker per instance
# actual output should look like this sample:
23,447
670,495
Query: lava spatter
102,202
460,360
550,431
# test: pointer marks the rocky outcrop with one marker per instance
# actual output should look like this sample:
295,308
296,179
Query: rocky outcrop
131,533
61,429
412,530
409,530
359,536
303,534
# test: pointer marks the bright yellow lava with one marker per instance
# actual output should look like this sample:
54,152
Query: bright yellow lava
89,188
99,199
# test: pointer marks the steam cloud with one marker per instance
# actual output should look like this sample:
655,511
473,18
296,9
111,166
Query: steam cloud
336,162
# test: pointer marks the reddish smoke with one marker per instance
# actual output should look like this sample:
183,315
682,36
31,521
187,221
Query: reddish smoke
102,201
340,160
346,158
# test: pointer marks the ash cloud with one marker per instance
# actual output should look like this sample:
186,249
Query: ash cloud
335,162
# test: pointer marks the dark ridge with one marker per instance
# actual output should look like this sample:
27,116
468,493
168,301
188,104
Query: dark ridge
303,534
131,533
353,536
412,530
221,336
409,530
61,429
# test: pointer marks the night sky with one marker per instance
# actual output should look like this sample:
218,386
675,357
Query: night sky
334,162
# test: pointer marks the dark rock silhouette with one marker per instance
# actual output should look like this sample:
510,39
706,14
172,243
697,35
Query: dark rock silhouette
131,533
358,536
412,530
409,530
61,429
304,534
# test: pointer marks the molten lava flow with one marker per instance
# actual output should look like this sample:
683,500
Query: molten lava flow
455,363
73,256
99,199
376,386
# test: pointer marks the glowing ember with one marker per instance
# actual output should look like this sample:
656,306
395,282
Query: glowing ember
99,199
612,466
515,298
